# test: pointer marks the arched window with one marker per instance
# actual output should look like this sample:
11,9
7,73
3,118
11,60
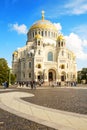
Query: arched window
30,65
23,75
38,43
33,34
39,52
62,53
49,33
62,44
50,56
39,32
42,33
23,65
58,44
39,65
62,66
29,75
45,33
67,65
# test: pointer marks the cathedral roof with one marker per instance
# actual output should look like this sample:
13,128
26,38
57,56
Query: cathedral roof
43,24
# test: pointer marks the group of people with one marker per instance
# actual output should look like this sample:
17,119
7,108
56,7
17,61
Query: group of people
31,84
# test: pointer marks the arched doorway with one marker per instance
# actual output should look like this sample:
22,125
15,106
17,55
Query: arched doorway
51,75
39,76
63,76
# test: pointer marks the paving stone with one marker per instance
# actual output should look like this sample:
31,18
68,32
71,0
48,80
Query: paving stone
73,100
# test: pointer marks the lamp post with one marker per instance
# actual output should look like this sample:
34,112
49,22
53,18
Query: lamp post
9,76
86,78
43,74
80,77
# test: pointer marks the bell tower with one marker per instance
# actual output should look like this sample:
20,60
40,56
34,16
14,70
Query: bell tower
60,41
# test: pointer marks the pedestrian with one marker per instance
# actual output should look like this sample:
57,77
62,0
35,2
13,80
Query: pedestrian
5,84
31,83
34,84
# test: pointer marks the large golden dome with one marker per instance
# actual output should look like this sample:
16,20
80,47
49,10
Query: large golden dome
43,24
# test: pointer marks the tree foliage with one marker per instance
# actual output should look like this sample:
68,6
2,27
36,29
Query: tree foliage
82,75
13,78
4,70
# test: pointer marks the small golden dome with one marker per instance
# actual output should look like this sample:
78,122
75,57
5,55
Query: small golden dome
38,36
60,37
15,53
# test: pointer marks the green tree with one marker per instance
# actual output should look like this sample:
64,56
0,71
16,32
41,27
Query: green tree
13,78
4,70
79,76
82,75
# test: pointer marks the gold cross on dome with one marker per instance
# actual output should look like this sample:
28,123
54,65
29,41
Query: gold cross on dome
43,14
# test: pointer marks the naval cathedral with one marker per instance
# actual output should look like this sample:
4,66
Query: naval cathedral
45,56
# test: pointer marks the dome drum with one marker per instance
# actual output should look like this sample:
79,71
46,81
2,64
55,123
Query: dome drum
52,34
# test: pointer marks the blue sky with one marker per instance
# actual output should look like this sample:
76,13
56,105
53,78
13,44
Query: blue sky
69,16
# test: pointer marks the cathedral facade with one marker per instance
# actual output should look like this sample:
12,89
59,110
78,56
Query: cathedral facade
45,56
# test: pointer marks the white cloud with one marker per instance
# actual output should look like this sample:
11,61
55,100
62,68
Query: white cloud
68,7
20,29
76,6
58,26
76,44
81,30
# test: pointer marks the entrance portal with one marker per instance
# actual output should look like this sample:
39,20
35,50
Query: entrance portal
62,78
50,76
38,77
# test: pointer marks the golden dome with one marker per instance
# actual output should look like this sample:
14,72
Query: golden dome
60,37
43,24
15,53
38,36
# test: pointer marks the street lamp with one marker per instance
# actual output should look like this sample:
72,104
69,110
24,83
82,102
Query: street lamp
43,74
80,77
86,78
9,76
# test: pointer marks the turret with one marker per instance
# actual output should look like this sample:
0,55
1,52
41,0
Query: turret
15,55
60,41
38,40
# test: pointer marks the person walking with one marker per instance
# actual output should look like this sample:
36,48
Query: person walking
31,83
5,84
34,84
